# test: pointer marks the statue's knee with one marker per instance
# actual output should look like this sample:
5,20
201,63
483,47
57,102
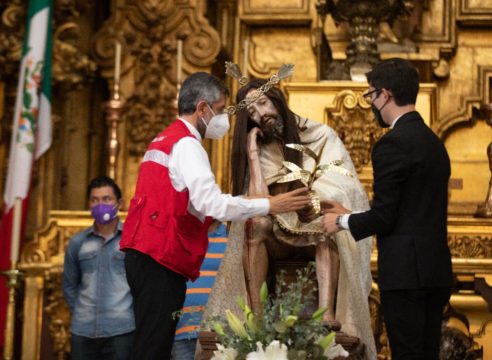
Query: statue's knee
259,228
329,245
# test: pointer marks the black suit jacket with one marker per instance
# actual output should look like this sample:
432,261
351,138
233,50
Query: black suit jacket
409,210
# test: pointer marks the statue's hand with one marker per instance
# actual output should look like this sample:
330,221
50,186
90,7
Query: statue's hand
252,141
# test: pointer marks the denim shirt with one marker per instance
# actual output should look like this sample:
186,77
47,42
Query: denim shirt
95,286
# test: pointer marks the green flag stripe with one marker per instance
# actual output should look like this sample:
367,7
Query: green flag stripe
46,82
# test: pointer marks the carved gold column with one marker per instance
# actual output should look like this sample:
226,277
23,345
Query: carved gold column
485,210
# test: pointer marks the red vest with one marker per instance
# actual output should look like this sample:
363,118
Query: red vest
158,222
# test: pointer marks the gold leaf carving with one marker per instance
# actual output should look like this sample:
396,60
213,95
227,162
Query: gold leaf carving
149,31
57,311
470,246
11,30
351,117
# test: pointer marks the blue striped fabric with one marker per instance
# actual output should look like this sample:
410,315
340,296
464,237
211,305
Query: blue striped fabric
197,292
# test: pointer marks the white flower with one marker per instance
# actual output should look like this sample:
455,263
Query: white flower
224,353
335,350
274,351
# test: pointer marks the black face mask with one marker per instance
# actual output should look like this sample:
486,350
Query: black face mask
378,116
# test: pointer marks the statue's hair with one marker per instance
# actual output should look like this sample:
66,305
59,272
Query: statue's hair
239,161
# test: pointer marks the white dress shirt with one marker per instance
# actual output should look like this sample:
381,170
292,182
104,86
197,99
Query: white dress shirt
189,168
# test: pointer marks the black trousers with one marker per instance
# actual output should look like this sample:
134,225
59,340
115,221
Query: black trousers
413,321
158,293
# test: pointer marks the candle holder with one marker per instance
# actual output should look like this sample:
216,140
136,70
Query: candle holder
13,282
113,109
484,210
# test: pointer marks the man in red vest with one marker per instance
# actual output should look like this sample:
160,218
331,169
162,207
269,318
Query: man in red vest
176,200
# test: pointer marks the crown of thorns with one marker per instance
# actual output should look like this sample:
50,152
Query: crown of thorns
233,70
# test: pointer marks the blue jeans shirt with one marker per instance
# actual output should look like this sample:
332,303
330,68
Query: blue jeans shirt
95,286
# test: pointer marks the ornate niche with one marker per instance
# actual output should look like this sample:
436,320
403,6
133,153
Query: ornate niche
149,31
12,28
349,117
72,67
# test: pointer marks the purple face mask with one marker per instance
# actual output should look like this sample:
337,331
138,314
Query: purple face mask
104,213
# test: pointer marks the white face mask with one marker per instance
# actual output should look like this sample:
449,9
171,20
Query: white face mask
218,125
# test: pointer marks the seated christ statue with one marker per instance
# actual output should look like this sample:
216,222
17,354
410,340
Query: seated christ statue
263,129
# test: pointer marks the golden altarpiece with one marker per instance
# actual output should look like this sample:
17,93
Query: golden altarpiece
330,44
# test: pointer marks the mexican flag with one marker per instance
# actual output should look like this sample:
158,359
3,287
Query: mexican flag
31,130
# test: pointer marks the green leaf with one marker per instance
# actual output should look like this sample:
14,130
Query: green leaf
318,314
264,293
27,100
280,327
327,340
240,301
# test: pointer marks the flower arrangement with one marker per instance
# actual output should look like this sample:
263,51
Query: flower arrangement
282,331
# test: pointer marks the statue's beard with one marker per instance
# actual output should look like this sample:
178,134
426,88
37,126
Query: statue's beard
272,127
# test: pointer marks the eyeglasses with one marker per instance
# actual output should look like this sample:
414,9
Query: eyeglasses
367,96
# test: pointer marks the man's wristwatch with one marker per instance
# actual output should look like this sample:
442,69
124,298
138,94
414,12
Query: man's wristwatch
338,221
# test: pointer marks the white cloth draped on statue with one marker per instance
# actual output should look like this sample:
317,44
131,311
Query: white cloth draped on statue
355,280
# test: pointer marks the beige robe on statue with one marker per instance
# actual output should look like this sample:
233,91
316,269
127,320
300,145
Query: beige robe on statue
354,283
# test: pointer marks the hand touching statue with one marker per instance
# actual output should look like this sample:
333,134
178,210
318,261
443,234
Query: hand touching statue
332,210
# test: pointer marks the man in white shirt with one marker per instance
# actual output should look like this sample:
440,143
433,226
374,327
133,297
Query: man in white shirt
175,202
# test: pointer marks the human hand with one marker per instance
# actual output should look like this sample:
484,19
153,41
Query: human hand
249,197
329,223
333,207
252,141
290,201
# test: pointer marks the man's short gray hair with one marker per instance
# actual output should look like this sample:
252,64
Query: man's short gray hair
198,87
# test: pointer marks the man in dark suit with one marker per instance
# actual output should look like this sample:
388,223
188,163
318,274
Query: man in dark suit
408,215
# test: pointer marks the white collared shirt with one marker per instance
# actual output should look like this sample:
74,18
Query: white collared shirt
394,121
189,168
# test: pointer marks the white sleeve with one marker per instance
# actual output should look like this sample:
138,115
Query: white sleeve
189,165
344,221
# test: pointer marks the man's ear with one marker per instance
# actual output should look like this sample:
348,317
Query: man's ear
200,108
387,92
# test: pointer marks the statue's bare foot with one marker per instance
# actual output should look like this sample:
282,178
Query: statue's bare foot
333,325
